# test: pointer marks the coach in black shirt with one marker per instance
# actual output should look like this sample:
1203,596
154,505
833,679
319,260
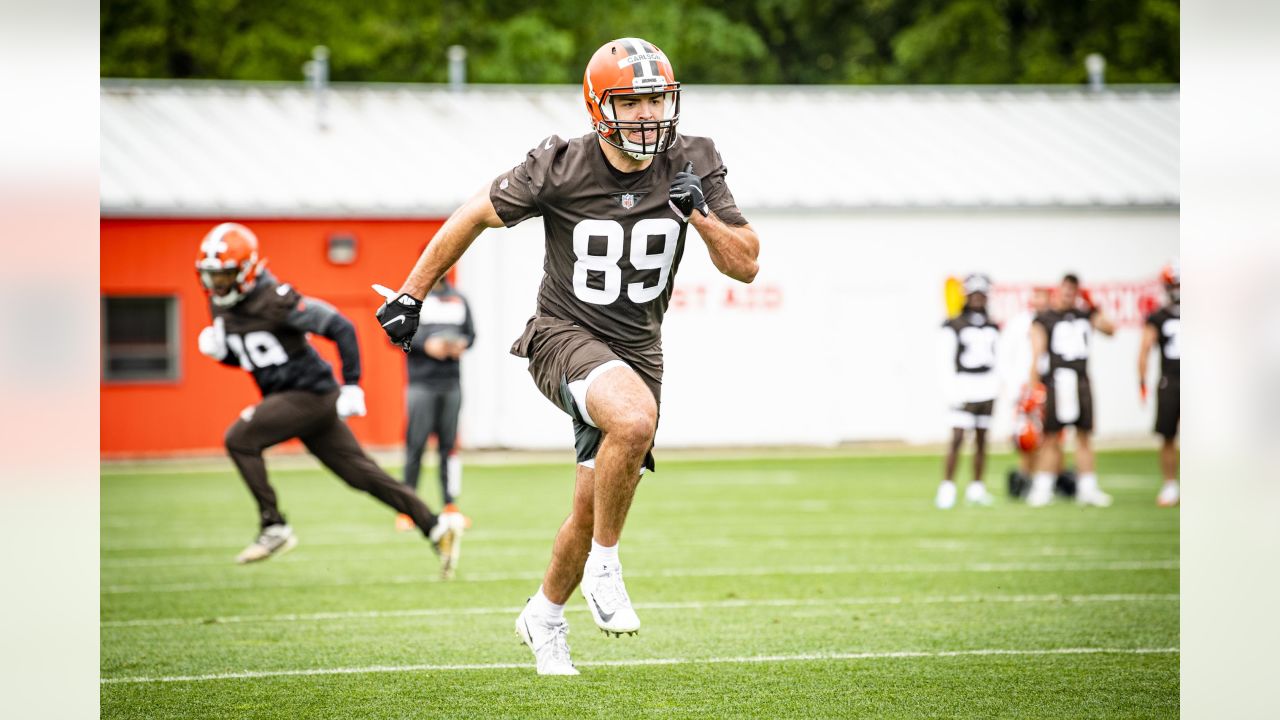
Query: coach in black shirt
445,331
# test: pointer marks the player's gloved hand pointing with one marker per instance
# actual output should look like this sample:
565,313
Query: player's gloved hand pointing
686,193
398,315
351,401
213,340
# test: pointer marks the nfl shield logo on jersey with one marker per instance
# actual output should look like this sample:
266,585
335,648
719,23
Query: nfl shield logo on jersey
628,200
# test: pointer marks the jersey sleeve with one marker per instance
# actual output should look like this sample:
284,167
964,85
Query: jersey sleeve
517,194
715,189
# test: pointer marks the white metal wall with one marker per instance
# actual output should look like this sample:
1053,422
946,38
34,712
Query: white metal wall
835,339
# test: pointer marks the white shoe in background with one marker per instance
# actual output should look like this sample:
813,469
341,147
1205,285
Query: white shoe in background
946,497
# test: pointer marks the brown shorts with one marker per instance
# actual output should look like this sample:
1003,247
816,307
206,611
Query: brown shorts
561,357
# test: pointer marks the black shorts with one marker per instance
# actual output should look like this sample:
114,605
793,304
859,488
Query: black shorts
1167,407
564,358
1069,401
972,415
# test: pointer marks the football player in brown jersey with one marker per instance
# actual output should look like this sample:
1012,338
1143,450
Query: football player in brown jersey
1060,340
616,205
261,325
1163,330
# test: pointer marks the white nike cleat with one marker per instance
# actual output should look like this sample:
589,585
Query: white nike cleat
446,538
273,540
548,641
976,494
1168,496
1092,496
946,497
1041,492
608,600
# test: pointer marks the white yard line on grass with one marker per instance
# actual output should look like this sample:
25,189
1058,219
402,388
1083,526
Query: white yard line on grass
803,657
691,605
311,584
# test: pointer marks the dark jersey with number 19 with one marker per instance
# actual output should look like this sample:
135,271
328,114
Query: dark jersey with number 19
267,336
613,243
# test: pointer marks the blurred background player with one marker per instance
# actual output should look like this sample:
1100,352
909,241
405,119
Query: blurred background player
967,360
445,331
261,326
1060,339
1162,330
1016,356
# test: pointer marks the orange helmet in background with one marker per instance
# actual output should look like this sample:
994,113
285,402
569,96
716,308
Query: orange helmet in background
228,249
1171,276
631,66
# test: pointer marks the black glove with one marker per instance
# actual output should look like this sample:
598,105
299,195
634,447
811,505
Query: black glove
398,316
686,193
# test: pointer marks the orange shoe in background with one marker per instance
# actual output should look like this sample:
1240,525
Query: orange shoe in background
404,523
453,508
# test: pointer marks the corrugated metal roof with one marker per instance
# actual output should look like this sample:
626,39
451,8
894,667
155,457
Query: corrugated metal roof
254,149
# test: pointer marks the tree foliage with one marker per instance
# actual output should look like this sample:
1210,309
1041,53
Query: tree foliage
754,41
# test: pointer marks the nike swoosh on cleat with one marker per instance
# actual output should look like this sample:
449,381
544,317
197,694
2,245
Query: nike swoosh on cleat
603,616
396,319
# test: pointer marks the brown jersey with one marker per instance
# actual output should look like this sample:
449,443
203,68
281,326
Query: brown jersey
1068,333
613,241
267,336
1168,323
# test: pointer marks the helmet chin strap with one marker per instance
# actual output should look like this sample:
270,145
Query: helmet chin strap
227,300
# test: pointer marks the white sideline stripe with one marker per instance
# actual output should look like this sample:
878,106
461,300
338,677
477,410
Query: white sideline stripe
815,531
691,605
803,657
678,572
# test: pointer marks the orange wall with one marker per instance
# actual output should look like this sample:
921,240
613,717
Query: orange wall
191,414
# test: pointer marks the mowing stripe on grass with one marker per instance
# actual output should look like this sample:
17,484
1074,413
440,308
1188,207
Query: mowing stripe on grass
692,605
1118,565
804,657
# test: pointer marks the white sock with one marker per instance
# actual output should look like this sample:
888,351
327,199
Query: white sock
1088,483
545,608
603,555
1171,482
1044,479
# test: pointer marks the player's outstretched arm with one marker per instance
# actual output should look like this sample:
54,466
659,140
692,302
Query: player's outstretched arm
1104,324
450,241
733,249
1039,345
399,314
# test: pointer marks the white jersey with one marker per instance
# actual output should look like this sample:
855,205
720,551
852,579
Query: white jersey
967,358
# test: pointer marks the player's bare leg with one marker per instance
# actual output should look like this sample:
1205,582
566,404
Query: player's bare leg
1169,492
573,542
1087,490
976,493
1048,458
945,498
624,409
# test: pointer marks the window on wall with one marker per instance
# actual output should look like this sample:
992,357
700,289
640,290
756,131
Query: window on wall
139,339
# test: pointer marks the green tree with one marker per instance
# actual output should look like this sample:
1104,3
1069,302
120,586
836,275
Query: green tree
755,41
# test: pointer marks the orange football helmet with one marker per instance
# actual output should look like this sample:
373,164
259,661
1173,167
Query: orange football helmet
630,67
228,263
1171,276
1028,431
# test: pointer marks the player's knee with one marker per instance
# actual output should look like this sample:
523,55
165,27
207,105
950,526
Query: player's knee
636,427
237,438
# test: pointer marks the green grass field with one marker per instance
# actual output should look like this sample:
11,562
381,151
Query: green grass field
820,587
